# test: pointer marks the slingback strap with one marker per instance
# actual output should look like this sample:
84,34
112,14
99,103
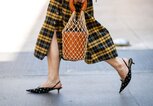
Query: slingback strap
51,87
125,63
56,84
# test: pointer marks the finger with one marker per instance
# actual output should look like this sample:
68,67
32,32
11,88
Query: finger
83,1
80,1
75,1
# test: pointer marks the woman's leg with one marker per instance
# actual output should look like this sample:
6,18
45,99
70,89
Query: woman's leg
119,65
53,64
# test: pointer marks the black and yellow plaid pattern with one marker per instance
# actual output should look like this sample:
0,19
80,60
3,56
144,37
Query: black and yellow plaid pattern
100,45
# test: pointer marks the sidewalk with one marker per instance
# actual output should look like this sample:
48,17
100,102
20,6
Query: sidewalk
79,90
83,84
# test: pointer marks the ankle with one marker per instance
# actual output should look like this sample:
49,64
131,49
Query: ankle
119,64
53,79
122,68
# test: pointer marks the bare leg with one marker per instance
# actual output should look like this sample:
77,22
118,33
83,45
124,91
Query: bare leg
53,64
119,65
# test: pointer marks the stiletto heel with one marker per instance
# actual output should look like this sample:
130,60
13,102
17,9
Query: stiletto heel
127,79
59,89
44,89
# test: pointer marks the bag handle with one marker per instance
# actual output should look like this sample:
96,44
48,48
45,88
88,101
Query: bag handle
72,7
76,23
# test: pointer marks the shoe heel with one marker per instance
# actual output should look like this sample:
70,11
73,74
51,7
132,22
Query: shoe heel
132,61
58,90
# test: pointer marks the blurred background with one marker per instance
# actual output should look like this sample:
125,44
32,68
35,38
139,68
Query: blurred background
21,21
129,20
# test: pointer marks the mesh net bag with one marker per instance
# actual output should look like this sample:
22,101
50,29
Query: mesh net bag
74,38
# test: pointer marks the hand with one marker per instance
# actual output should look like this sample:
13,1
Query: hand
72,7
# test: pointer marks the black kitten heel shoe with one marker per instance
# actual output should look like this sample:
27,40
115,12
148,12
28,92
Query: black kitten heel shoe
127,79
41,90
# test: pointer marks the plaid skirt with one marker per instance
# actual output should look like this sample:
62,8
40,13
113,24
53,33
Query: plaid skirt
100,45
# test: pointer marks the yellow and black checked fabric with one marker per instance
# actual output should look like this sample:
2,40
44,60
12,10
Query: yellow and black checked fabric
100,45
